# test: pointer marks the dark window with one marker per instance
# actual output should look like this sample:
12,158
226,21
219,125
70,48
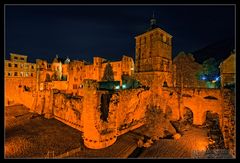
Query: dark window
22,58
15,57
168,42
15,73
31,74
161,37
15,65
9,65
32,67
74,86
9,74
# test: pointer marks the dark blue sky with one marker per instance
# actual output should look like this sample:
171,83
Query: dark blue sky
82,32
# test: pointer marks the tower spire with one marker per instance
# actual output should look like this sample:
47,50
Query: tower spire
153,21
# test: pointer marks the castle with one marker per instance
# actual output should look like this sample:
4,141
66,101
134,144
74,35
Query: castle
69,92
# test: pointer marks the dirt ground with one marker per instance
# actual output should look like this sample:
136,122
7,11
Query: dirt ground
32,136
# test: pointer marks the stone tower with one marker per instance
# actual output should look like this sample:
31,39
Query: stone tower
96,133
153,55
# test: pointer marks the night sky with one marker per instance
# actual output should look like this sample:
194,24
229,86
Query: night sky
81,32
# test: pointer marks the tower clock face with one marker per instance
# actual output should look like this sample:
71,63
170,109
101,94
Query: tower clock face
164,38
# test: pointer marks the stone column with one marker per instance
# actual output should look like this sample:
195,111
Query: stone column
49,104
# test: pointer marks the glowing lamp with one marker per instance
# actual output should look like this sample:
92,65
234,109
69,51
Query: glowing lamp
117,87
203,78
123,86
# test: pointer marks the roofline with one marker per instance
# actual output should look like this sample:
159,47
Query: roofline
157,28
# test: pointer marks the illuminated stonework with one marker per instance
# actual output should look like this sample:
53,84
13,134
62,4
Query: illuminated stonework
154,58
69,91
18,66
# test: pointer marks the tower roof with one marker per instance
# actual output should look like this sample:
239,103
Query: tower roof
153,23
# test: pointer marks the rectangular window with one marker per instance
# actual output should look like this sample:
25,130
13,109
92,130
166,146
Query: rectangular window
9,74
31,74
21,65
22,58
15,65
9,65
21,73
15,58
26,74
15,74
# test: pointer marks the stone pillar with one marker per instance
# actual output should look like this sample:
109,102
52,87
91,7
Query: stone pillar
49,104
91,123
199,118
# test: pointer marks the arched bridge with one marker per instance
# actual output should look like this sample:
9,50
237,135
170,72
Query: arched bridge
201,100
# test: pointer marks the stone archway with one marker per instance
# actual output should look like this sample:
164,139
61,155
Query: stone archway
187,116
212,123
211,119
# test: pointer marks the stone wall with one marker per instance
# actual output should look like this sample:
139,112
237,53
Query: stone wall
68,109
229,123
19,90
131,108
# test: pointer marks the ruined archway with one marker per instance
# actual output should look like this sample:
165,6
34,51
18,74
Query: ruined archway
211,119
212,124
187,117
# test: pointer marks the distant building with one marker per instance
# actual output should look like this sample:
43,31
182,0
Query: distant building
69,75
228,70
18,66
78,70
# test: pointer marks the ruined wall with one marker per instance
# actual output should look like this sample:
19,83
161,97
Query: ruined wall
229,122
60,85
96,132
154,79
15,91
132,105
68,109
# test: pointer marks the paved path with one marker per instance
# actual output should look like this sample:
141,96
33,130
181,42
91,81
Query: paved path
191,145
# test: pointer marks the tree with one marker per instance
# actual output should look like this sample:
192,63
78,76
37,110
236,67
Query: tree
186,69
210,73
210,69
48,78
108,73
